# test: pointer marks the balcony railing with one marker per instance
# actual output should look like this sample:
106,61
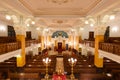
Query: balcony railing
7,47
108,47
30,42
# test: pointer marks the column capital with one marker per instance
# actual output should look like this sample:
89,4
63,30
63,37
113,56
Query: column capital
19,25
100,30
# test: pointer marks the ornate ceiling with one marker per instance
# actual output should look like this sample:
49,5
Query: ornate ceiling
64,16
74,7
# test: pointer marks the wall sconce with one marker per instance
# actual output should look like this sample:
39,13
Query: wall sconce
33,22
2,28
28,25
86,22
114,29
8,17
112,17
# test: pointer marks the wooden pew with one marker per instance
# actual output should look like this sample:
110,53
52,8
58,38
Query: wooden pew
25,76
89,76
38,70
4,73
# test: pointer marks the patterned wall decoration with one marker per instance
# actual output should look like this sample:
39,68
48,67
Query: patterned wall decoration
59,33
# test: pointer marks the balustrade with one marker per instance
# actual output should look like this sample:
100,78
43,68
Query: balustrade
108,47
7,47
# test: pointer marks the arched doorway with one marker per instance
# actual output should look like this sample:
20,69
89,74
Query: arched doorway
60,38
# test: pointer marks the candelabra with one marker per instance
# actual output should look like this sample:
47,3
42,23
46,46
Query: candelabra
72,62
46,61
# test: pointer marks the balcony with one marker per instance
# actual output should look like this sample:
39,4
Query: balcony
8,47
108,47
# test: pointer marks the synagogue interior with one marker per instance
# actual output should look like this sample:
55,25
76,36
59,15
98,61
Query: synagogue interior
59,39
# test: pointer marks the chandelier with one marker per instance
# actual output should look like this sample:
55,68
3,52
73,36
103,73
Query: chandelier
59,1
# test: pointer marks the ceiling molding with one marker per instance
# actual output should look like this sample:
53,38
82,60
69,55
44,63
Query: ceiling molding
104,6
15,7
60,11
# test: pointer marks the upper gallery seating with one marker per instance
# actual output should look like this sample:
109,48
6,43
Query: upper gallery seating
108,47
7,39
113,40
8,44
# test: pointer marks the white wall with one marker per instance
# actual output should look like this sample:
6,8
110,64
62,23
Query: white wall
114,24
3,26
34,32
3,29
85,32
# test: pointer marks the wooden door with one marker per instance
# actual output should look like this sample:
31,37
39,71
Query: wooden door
91,36
28,35
59,47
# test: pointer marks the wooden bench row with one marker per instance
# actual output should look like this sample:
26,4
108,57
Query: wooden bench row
24,76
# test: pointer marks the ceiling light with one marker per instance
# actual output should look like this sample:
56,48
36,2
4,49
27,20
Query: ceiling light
112,17
91,25
28,25
86,22
8,17
33,22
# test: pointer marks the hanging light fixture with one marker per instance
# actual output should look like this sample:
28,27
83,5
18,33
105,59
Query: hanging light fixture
59,1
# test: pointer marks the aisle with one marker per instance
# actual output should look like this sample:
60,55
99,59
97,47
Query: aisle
59,64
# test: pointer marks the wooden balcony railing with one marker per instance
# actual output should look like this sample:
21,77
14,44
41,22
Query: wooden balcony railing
30,42
108,47
7,47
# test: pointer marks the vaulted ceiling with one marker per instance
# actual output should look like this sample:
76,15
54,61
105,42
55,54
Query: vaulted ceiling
55,15
72,7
